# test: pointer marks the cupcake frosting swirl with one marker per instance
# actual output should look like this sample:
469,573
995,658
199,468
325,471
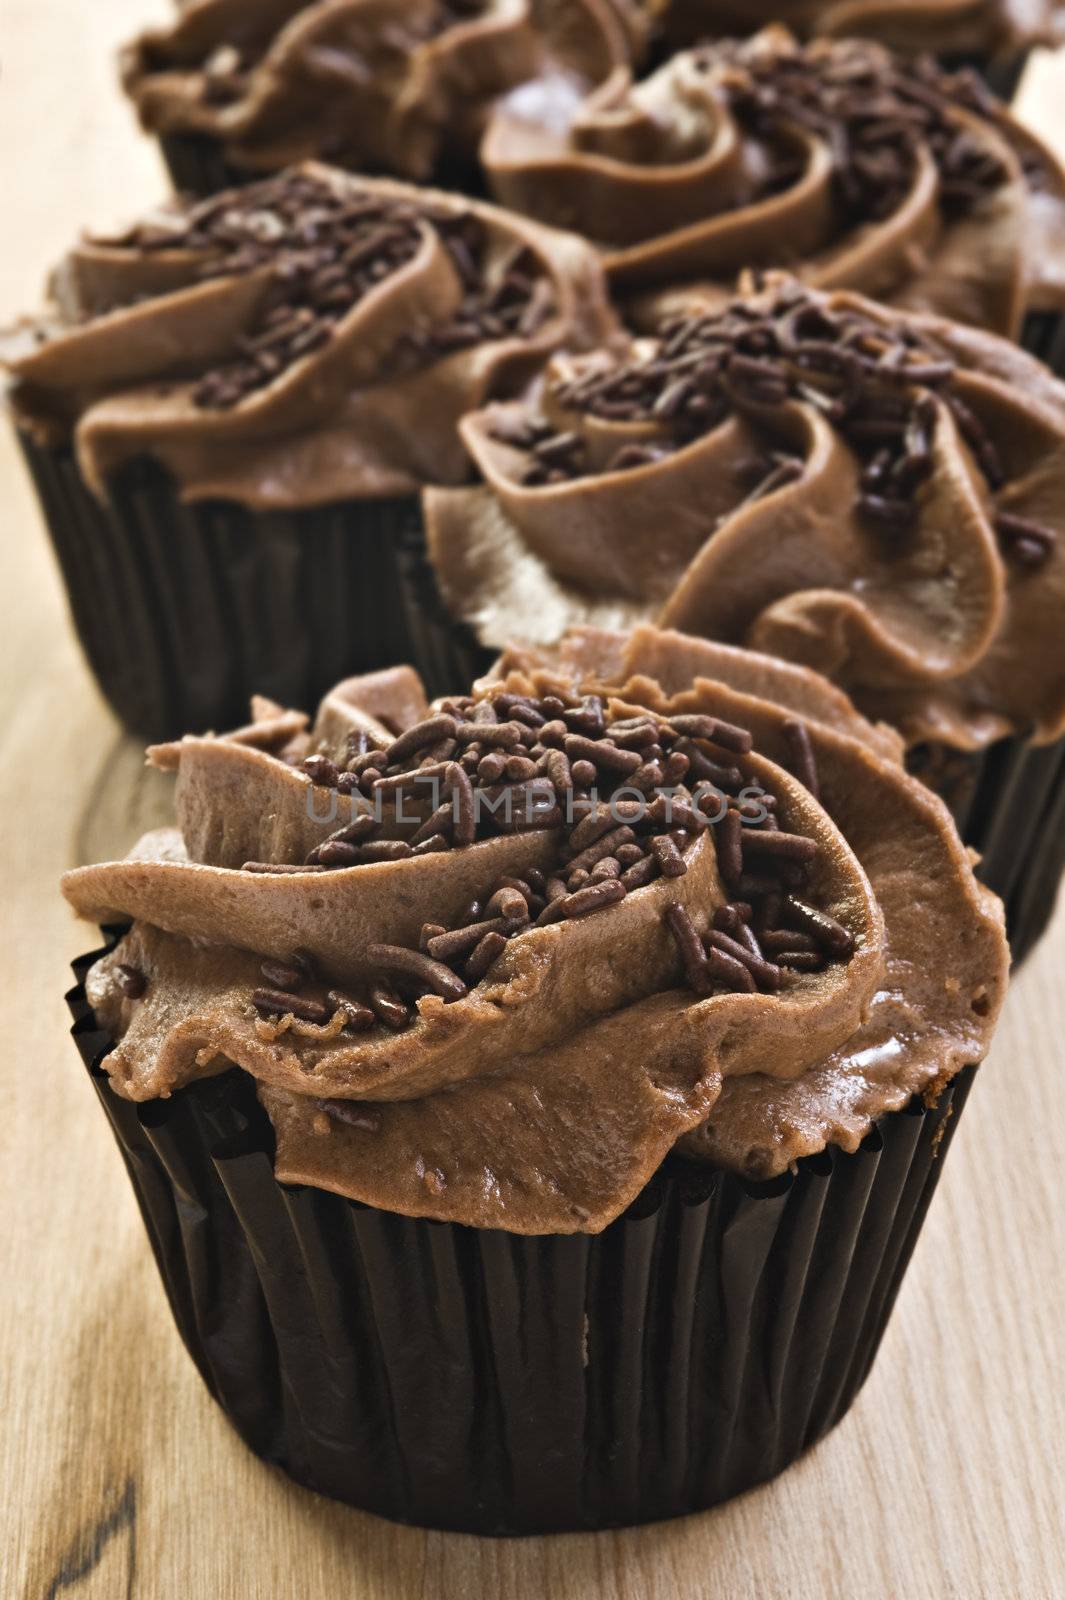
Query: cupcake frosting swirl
672,892
394,86
874,494
304,340
853,167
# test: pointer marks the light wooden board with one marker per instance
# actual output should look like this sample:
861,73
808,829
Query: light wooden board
120,1478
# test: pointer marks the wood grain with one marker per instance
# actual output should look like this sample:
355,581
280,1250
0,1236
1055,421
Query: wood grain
122,1479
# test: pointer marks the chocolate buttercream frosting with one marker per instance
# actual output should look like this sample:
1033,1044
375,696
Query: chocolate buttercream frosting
982,28
308,339
872,493
851,166
491,960
390,86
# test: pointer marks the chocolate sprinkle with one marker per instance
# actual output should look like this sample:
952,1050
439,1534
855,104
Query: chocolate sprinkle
669,858
1028,542
692,953
728,972
764,972
389,1008
830,935
131,982
357,1017
279,1003
611,839
280,976
433,975
800,960
803,761
784,846
485,954
593,898
730,957
874,110
881,385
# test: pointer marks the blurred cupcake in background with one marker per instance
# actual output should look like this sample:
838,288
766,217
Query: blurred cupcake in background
397,87
873,493
229,411
853,167
542,1067
995,36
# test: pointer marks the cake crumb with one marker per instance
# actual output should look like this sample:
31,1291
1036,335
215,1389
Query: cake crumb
269,1031
937,1137
321,1032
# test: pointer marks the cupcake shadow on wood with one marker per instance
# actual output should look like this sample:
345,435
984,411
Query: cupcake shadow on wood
231,408
543,1124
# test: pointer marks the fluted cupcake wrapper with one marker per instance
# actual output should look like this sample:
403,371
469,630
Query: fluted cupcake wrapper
483,1381
1009,804
185,611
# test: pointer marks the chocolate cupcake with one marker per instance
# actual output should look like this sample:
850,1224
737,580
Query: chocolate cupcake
873,493
994,35
397,87
229,412
848,165
522,1078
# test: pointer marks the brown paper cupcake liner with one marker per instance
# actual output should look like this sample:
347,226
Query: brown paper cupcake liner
481,1381
1009,804
185,611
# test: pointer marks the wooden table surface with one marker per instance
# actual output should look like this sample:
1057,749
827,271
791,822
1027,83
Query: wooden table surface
120,1477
